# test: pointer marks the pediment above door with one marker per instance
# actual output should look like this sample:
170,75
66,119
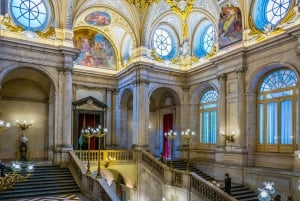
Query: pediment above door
89,103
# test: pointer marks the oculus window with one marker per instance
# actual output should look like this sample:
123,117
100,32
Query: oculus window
163,43
204,39
276,111
269,13
208,117
31,14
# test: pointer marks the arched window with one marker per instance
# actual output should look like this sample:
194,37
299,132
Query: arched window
276,111
208,117
269,13
31,14
163,43
204,39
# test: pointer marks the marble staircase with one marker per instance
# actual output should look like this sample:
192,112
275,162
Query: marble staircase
238,191
44,181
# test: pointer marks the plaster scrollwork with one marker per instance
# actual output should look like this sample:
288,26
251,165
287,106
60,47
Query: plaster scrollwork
155,10
209,6
235,3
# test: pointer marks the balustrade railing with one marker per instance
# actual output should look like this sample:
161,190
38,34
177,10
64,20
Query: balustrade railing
105,155
197,184
92,187
201,187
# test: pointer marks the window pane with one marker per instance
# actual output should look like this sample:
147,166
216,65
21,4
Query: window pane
279,94
162,42
201,126
206,128
286,119
272,123
31,14
261,123
213,125
279,79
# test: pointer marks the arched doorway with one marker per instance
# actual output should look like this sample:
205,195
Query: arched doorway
126,117
27,94
164,115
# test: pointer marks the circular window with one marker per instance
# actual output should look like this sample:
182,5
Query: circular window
209,39
205,38
30,14
162,42
269,12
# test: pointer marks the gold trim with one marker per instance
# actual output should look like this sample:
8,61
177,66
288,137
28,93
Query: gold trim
212,52
182,13
46,34
155,57
8,23
261,34
141,5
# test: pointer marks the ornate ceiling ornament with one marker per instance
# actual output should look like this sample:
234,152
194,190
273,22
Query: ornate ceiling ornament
182,8
142,4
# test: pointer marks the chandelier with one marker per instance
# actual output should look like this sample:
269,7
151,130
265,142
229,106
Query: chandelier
7,180
4,126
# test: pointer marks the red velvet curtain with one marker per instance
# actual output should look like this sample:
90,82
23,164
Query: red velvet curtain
167,126
86,120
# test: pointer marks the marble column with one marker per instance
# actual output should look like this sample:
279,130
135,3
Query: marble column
108,124
297,152
67,110
251,116
241,135
222,109
140,112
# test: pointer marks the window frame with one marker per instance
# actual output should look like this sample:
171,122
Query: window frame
202,110
262,127
43,26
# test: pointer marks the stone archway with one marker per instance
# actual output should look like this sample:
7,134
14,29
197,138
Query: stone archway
27,94
126,117
164,107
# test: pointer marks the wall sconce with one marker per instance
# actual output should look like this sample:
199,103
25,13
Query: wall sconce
228,137
4,126
24,125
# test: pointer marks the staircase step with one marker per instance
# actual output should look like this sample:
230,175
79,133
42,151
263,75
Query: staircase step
238,191
44,181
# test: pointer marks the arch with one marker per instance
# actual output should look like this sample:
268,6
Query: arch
177,93
199,90
29,88
262,71
12,67
124,96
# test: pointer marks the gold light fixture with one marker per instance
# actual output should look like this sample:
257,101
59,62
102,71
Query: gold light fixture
228,137
171,136
4,126
8,180
88,133
24,125
99,134
188,135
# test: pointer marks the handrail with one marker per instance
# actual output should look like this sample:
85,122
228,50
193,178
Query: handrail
204,188
192,181
91,187
105,155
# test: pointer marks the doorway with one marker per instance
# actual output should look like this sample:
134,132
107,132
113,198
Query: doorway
167,126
